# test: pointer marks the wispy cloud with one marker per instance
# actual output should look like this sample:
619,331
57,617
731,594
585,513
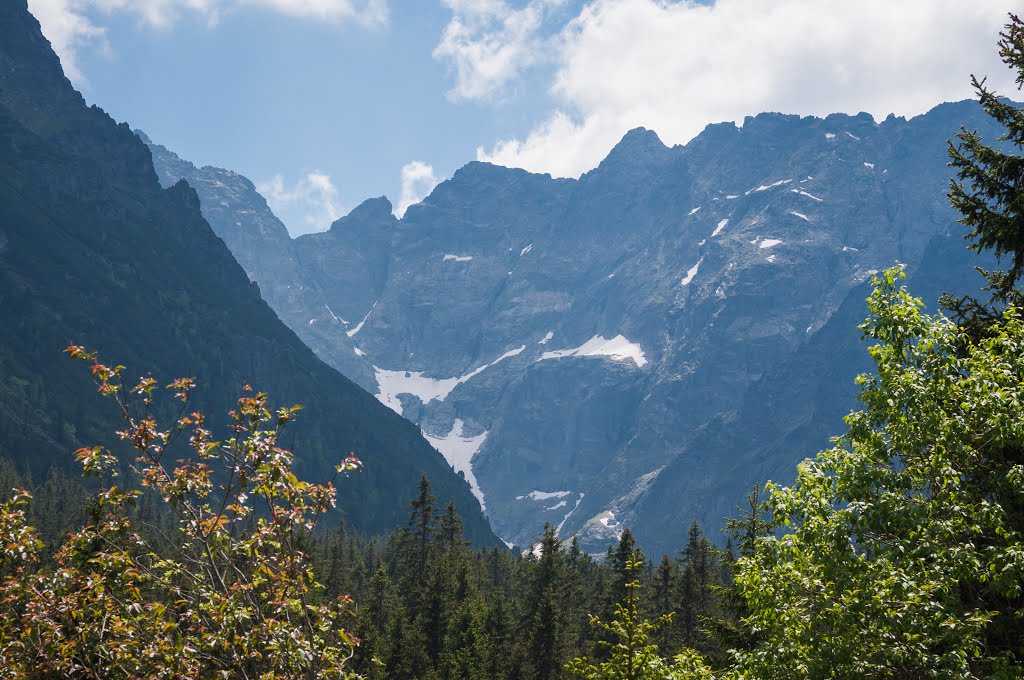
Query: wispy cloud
418,180
677,66
310,204
488,44
70,25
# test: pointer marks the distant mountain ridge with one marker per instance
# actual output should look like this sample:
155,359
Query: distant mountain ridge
93,250
637,347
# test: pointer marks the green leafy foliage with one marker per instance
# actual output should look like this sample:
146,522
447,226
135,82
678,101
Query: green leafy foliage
231,594
904,552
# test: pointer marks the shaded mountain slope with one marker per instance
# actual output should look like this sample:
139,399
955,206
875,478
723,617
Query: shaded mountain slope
94,250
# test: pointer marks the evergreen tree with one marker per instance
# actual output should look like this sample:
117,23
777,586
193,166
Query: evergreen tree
465,653
751,523
373,617
700,571
666,577
504,657
630,656
420,530
728,628
578,600
449,529
625,553
544,618
338,564
988,191
449,586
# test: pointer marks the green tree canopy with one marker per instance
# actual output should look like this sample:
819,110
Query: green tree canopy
903,555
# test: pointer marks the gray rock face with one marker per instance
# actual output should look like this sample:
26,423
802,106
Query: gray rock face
634,348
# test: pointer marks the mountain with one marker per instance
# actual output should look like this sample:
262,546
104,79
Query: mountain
634,348
93,250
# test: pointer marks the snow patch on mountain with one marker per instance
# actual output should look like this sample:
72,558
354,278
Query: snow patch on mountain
508,355
691,272
616,349
804,193
359,326
525,250
766,187
603,527
800,215
335,316
391,384
457,258
544,495
721,225
558,529
458,449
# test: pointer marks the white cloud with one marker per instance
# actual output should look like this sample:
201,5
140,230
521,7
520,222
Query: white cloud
311,204
72,24
418,180
488,44
365,12
676,66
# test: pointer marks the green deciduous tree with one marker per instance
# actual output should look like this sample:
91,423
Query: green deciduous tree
904,547
903,555
232,595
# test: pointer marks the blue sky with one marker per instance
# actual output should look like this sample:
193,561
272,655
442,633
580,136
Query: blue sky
324,103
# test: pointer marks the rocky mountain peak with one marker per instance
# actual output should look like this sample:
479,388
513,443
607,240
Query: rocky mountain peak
376,211
32,83
611,351
638,150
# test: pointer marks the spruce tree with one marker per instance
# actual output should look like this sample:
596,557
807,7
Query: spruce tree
544,619
504,656
626,552
988,192
700,575
420,529
663,600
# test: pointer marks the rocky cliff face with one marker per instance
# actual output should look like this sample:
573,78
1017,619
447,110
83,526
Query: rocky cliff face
637,347
93,250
